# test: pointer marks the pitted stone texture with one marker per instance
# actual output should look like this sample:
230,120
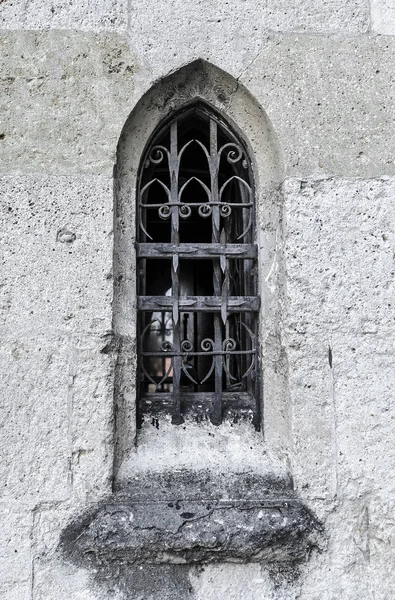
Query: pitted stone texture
194,517
35,441
73,91
91,395
52,283
360,555
339,339
331,102
383,16
339,237
364,389
15,552
338,333
57,396
63,14
327,16
311,393
227,34
55,581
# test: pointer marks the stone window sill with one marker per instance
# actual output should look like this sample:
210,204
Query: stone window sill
187,517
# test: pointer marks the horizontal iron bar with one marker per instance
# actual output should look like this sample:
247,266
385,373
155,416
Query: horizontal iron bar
197,204
171,353
196,250
235,304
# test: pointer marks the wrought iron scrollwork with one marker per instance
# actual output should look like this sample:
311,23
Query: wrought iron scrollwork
195,339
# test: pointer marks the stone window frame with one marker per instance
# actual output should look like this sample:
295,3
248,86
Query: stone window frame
160,514
201,81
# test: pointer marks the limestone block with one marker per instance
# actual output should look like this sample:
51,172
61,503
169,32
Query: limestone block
383,16
177,32
49,520
65,96
56,254
311,403
364,388
329,16
91,394
360,555
378,543
66,100
340,572
339,236
57,418
15,556
331,102
35,443
62,14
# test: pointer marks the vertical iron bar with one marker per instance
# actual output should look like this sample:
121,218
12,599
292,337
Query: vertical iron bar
177,418
216,413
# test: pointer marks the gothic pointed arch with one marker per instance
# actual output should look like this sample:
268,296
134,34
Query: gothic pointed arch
198,97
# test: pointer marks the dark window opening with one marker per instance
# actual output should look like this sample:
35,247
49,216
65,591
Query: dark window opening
197,272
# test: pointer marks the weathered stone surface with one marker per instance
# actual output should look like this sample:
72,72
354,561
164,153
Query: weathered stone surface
365,441
53,581
15,554
91,427
191,518
331,102
62,14
327,121
57,418
73,91
225,34
328,16
46,272
383,16
250,581
35,432
339,256
328,384
311,393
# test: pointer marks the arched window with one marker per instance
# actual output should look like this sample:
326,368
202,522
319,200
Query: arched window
197,272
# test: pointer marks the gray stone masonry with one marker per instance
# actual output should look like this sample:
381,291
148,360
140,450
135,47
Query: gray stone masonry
322,76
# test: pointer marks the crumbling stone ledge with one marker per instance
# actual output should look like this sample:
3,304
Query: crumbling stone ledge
243,519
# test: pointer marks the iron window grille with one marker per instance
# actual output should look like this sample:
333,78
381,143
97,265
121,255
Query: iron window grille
197,272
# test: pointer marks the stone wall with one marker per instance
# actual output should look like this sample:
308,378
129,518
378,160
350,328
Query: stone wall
71,73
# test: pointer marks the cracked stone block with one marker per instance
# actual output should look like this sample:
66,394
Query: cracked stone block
331,103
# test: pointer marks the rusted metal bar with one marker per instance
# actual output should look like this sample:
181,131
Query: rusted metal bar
191,250
210,304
